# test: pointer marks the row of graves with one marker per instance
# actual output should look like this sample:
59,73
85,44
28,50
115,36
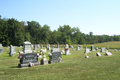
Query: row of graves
103,50
28,58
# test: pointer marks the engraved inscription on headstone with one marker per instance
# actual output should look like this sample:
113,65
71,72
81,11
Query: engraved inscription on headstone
27,58
55,57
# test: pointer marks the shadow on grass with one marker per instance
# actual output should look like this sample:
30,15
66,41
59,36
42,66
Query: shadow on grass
15,67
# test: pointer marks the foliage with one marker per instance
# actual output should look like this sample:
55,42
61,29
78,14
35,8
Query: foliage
13,32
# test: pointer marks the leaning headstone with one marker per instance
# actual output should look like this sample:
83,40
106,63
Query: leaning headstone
67,51
102,50
98,54
108,53
87,50
28,59
44,60
12,50
27,47
55,56
92,48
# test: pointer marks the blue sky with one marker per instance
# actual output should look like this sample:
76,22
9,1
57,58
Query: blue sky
97,16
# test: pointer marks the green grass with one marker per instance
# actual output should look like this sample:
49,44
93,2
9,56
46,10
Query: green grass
74,67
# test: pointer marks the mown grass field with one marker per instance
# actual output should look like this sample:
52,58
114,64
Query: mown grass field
74,67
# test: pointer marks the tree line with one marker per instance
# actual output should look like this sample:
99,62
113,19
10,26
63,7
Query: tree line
14,32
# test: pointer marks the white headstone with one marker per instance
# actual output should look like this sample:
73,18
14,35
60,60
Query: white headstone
108,53
27,47
98,54
67,51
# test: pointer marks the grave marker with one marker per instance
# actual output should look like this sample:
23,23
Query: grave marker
27,59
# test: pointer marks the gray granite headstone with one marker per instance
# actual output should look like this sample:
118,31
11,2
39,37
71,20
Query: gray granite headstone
27,58
102,50
92,48
55,57
12,50
38,46
1,50
48,47
57,45
41,46
27,47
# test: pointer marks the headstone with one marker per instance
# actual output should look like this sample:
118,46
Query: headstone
71,47
44,61
41,46
48,47
55,50
1,50
27,47
57,45
1,45
35,47
38,46
92,48
102,50
107,48
27,59
87,50
108,53
12,50
97,49
31,45
115,50
80,46
67,51
55,56
98,54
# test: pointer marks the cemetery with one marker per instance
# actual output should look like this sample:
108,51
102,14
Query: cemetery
22,63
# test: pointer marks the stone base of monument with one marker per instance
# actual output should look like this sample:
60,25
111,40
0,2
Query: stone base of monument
44,61
28,65
54,61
